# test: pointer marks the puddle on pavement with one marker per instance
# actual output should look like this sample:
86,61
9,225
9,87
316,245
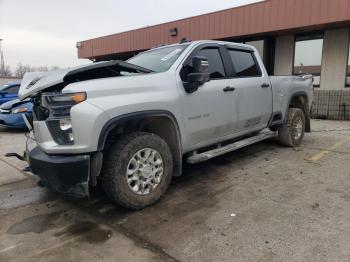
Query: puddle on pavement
78,228
97,235
35,224
90,231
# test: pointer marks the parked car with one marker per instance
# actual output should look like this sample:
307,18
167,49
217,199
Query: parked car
9,92
11,113
131,124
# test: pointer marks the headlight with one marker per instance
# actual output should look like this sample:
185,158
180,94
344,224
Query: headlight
61,104
19,110
59,122
65,99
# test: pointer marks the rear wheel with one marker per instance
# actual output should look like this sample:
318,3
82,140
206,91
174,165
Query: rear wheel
292,131
137,170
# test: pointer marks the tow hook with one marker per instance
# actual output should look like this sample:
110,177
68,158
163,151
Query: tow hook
23,158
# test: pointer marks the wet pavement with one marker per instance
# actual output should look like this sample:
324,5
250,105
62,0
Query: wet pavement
261,203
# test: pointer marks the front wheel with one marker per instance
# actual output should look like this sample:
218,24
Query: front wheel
292,131
137,170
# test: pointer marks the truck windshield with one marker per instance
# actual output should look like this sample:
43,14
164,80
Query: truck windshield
160,59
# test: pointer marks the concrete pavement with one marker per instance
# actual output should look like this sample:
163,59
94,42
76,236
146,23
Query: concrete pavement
11,168
261,203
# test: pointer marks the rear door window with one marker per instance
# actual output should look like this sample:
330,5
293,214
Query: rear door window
244,63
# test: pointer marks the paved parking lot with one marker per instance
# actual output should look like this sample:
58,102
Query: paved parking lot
262,203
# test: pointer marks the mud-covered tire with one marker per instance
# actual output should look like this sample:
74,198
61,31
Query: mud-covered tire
117,161
292,132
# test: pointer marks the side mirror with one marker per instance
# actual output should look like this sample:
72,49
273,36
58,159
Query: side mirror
3,93
198,75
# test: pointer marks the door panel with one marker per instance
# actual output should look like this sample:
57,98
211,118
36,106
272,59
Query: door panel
209,113
254,103
253,91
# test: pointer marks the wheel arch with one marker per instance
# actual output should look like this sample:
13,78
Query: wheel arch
300,100
160,122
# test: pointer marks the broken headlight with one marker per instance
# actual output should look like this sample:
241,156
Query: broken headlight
59,121
65,99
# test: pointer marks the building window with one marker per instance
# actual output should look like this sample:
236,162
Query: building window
308,56
347,83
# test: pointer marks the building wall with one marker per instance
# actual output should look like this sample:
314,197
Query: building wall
255,19
331,98
335,59
284,55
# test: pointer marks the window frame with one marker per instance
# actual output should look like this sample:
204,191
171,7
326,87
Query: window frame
245,50
307,37
222,61
224,58
248,42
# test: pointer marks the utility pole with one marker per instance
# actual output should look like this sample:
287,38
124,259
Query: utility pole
2,62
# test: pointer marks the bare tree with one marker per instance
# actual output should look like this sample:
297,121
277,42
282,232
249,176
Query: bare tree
54,68
6,72
19,70
22,69
42,69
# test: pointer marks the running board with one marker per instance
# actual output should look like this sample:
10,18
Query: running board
196,158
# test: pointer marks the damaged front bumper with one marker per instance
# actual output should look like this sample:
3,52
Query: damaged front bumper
66,174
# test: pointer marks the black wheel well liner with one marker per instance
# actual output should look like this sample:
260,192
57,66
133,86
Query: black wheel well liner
153,121
300,100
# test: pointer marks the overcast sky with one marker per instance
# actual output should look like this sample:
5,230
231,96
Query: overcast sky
44,32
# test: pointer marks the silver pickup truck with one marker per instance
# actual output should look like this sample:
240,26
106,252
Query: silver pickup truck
131,124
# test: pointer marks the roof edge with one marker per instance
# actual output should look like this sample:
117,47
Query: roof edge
177,20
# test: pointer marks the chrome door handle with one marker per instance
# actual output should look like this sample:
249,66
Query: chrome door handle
229,89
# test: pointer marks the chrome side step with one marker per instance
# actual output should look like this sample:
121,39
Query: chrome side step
196,158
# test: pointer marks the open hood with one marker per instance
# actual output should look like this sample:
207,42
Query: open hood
35,82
